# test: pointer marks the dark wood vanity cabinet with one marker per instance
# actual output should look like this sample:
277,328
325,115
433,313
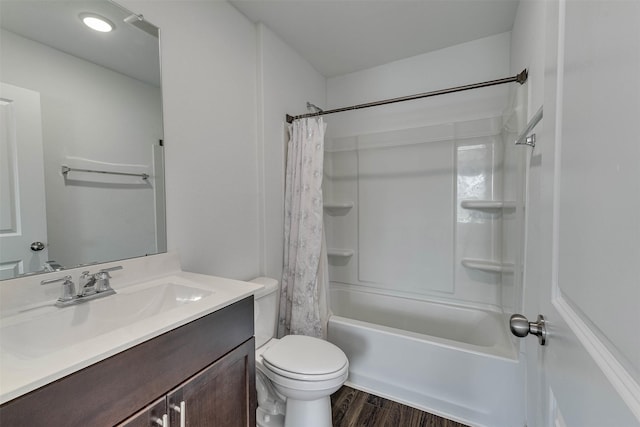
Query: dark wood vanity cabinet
208,366
220,395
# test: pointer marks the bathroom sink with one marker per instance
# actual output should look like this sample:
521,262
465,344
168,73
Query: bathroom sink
41,343
44,333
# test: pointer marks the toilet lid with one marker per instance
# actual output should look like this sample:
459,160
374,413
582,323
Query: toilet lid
305,355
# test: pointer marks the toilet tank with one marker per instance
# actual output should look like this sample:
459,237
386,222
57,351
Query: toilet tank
265,310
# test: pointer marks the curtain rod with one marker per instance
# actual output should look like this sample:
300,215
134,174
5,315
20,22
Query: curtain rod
520,78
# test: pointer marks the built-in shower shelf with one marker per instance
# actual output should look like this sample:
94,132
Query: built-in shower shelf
487,204
487,265
340,253
338,208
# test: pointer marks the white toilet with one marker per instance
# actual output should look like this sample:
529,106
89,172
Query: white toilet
295,375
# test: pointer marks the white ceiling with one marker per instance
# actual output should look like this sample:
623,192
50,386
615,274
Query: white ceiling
335,36
342,36
55,23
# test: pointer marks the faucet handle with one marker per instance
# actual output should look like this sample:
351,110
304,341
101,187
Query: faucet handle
59,279
102,278
85,277
68,288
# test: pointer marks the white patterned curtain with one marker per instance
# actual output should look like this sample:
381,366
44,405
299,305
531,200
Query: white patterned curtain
303,295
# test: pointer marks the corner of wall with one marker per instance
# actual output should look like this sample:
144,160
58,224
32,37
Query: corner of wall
260,149
286,81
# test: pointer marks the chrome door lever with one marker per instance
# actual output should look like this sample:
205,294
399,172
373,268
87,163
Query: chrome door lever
521,327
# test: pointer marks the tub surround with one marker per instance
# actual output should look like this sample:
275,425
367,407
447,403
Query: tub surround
417,222
24,300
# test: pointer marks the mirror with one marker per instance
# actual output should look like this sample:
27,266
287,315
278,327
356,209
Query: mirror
81,155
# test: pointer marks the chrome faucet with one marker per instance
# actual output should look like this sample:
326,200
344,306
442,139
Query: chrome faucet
91,286
86,284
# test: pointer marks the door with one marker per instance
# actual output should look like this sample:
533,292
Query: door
22,197
221,395
586,241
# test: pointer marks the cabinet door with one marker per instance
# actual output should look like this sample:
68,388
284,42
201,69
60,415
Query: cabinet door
151,416
221,395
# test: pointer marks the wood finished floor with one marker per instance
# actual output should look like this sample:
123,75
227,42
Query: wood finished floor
354,408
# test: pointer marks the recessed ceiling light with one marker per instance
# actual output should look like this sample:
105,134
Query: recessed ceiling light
97,22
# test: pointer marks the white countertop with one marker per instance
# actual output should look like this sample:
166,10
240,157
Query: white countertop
23,370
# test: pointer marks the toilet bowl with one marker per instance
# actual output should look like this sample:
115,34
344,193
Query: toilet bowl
296,374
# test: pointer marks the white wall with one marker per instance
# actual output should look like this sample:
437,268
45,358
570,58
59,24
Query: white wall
227,85
90,112
528,47
460,136
471,62
285,83
209,62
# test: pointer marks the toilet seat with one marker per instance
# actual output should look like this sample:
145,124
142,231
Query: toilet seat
303,358
296,376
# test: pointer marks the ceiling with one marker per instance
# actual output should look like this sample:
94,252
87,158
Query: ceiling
128,49
335,36
342,36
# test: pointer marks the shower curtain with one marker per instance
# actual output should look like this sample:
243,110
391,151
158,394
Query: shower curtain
304,308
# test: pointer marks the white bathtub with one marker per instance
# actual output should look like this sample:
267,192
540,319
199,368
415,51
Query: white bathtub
452,361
